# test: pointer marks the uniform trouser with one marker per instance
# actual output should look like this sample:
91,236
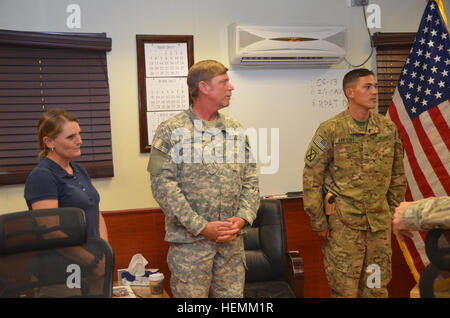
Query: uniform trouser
207,269
357,263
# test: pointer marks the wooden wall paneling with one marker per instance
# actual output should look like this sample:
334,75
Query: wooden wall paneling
142,231
301,237
138,231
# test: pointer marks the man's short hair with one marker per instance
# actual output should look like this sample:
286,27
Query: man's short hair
203,71
353,76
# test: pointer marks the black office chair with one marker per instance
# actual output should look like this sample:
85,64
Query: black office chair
435,278
272,271
46,253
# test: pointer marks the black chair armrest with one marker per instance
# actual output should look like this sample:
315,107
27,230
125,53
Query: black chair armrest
295,275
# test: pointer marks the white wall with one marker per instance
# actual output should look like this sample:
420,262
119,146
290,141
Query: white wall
207,21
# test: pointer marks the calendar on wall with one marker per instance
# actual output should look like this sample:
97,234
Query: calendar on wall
166,59
166,93
163,65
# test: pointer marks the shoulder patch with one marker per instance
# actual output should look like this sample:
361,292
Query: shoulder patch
161,145
156,161
311,154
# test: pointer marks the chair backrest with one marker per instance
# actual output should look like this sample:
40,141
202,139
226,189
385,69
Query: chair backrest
265,244
435,278
46,253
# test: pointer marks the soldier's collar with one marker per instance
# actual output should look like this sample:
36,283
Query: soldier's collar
372,127
216,123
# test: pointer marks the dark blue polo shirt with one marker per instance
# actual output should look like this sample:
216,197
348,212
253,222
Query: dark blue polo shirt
48,180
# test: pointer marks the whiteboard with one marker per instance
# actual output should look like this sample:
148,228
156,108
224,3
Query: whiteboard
292,102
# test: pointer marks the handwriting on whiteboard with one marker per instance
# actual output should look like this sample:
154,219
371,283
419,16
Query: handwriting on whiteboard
327,94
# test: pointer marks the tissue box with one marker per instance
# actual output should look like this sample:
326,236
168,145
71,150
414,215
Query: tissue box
125,278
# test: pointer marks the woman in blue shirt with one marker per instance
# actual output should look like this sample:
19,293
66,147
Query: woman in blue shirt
58,182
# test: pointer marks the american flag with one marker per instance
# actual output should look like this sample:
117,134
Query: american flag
420,109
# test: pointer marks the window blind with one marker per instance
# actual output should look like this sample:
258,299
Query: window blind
392,50
42,71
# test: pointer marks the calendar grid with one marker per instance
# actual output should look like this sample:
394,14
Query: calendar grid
166,66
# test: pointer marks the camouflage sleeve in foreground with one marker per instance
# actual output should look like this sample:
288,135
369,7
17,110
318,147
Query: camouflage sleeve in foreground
428,214
397,187
317,158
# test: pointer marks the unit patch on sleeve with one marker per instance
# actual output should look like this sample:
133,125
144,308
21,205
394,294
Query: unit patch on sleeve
311,154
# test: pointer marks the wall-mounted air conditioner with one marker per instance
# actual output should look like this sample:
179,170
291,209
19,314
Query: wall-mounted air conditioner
286,45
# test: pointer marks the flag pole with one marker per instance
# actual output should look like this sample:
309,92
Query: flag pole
409,260
441,9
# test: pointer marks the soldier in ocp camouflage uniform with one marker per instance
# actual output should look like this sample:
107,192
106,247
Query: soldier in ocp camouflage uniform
358,156
207,192
421,215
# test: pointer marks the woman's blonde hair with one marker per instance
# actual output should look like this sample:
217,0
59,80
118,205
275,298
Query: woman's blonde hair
50,125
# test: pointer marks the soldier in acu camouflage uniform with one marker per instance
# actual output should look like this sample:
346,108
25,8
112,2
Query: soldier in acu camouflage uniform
207,186
358,156
421,215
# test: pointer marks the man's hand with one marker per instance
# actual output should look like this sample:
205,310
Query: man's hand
325,234
223,231
215,229
399,229
237,224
